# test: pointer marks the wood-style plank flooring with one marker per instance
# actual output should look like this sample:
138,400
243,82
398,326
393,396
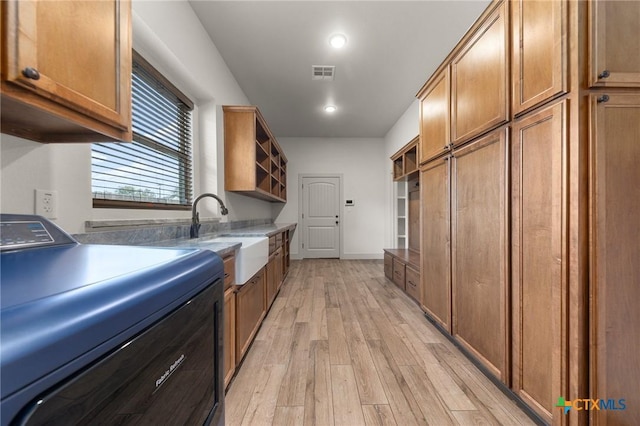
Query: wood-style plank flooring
343,346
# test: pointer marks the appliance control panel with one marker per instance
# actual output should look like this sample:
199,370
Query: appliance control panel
30,231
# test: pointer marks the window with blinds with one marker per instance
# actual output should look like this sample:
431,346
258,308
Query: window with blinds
153,171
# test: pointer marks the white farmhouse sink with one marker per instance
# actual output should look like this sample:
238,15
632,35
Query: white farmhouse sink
252,255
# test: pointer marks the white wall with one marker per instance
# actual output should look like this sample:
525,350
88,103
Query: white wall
405,129
362,164
169,35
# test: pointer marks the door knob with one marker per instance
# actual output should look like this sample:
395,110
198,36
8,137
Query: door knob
337,222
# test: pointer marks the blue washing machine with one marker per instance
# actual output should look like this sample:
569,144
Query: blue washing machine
98,334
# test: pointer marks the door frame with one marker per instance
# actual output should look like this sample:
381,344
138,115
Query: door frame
340,178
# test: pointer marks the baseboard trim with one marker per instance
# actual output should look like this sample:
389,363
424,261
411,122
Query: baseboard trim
503,388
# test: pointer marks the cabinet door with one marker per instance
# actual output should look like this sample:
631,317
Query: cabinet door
539,51
480,79
250,310
615,269
436,250
272,278
279,268
479,250
615,43
539,286
77,54
229,335
434,118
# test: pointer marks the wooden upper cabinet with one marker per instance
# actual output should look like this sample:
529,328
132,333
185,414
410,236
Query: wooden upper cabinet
539,285
614,51
254,163
405,161
480,79
614,267
480,247
539,49
66,70
434,117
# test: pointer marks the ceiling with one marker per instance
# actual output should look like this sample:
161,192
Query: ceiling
392,48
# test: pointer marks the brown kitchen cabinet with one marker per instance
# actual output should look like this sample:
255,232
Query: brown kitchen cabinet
402,265
66,70
436,241
229,344
250,310
274,275
286,253
434,116
399,273
479,247
539,286
388,265
539,49
614,51
412,282
479,79
614,266
254,163
405,161
229,262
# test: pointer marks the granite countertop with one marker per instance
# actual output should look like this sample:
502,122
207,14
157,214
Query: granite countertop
223,248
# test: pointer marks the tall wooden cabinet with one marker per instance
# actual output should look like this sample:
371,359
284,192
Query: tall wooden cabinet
615,245
66,70
539,257
529,211
435,259
479,250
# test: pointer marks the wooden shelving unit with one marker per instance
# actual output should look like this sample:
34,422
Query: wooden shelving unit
255,164
405,161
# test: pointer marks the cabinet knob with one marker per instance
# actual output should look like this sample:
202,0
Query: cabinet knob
603,98
31,73
604,74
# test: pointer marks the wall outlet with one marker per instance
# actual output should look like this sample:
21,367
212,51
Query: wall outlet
47,203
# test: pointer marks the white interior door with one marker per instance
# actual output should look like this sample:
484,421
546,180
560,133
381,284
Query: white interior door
321,217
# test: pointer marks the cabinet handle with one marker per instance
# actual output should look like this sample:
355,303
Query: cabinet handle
603,98
604,74
31,73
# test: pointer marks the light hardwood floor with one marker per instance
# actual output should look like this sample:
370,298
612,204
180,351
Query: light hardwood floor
343,346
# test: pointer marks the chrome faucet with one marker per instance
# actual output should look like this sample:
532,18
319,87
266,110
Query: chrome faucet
195,216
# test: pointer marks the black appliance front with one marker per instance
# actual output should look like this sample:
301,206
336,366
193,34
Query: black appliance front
170,374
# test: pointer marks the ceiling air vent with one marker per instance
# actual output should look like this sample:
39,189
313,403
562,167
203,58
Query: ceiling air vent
323,72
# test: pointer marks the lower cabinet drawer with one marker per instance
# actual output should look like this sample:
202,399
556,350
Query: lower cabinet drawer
412,279
398,273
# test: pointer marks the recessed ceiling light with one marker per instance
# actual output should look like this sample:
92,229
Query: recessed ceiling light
338,40
330,108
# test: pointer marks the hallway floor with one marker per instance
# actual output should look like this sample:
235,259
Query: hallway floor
343,346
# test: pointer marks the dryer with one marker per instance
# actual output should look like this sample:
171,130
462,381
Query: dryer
101,334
